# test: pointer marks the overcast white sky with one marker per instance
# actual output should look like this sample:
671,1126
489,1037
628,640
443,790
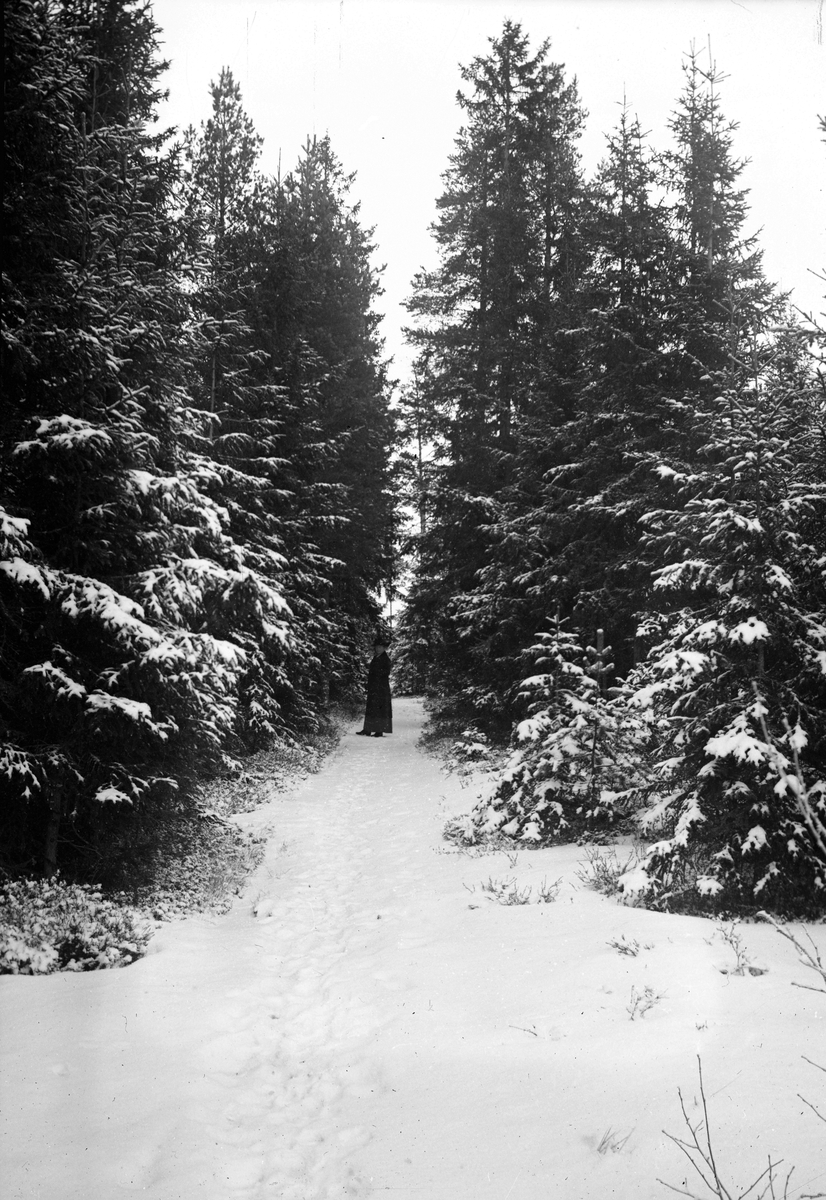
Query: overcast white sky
380,76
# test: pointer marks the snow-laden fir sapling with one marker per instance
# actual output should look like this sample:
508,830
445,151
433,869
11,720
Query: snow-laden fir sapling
573,758
733,680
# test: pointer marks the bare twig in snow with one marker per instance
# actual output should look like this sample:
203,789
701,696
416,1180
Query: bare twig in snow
700,1153
809,1104
809,958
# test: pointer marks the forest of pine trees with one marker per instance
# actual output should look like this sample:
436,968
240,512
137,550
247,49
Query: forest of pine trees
621,544
197,512
612,446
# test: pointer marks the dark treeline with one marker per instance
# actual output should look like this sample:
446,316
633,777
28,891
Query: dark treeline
197,513
618,426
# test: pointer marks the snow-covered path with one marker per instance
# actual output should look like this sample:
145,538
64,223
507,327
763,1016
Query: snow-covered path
364,1023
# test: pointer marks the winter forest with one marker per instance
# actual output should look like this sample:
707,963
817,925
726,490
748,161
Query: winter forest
598,502
560,936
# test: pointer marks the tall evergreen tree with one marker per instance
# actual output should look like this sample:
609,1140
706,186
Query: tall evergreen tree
660,262
735,680
197,424
113,684
316,321
222,194
236,422
566,536
492,326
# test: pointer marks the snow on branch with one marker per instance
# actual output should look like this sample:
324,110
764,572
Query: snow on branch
809,800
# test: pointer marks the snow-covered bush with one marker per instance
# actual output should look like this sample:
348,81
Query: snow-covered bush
735,683
576,755
47,925
470,752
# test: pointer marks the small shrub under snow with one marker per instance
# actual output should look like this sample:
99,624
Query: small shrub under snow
604,872
47,925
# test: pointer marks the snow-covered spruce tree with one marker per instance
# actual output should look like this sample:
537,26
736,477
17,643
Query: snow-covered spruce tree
735,681
316,320
664,242
490,328
103,709
113,686
295,427
235,427
575,757
566,535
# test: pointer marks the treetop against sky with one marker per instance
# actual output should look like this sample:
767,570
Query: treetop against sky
381,79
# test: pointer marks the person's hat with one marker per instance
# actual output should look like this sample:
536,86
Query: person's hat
381,639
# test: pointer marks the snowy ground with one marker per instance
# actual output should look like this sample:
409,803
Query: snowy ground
362,1024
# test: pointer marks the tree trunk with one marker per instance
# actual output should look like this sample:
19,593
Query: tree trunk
55,802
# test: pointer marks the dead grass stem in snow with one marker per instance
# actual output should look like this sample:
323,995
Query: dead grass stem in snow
642,1002
602,869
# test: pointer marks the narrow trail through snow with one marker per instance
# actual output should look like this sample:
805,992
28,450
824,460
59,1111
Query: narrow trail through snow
365,1023
236,1058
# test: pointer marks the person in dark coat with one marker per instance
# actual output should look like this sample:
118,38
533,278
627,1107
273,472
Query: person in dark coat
378,716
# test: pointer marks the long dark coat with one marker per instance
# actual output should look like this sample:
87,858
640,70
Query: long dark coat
378,717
